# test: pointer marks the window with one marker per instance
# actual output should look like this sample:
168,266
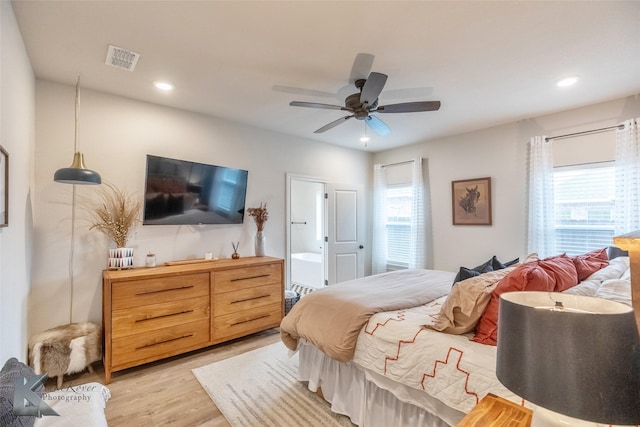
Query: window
398,225
584,199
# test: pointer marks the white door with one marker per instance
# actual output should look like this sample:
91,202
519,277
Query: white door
345,239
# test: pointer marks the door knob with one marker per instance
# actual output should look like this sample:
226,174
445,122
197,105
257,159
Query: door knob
361,247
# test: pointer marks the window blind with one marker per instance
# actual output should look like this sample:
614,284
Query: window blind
584,202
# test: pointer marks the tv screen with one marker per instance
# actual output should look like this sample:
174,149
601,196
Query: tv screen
180,192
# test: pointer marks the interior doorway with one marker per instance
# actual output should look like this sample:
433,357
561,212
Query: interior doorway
306,214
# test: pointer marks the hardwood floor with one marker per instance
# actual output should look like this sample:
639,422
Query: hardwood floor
166,392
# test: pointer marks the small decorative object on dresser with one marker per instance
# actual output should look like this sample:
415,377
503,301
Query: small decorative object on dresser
150,261
115,214
235,254
260,215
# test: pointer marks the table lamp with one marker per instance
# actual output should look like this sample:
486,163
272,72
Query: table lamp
577,358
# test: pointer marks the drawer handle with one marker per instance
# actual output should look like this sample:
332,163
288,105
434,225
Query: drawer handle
250,320
164,315
250,277
249,299
165,341
164,290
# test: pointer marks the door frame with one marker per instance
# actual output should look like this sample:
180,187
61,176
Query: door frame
289,177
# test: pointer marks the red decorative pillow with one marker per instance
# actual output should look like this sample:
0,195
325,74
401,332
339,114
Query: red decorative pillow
562,269
529,276
589,263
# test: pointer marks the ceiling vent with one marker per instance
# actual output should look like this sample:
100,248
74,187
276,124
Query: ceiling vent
122,58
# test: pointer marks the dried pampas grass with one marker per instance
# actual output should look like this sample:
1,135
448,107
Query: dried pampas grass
260,215
115,214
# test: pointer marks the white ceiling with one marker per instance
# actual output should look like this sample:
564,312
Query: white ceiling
487,62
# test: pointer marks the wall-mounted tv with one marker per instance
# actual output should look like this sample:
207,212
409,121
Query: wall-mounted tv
181,192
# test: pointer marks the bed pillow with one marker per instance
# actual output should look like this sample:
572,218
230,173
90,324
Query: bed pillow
529,276
467,273
563,271
614,252
589,263
497,265
465,304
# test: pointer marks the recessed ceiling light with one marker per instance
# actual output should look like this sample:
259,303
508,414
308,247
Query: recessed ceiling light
567,81
163,86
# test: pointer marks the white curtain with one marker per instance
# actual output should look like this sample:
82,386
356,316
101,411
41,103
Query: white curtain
541,228
416,257
627,178
417,245
379,245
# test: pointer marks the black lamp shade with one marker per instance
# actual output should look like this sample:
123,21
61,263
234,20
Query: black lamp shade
77,173
583,361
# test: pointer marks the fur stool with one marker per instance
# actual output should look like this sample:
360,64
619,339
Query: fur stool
65,349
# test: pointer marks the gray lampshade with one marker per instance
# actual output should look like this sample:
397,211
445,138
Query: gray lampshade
582,361
77,173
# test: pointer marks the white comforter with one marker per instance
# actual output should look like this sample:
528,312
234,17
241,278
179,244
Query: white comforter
451,368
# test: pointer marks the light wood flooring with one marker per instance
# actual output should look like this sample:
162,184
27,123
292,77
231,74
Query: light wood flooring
166,392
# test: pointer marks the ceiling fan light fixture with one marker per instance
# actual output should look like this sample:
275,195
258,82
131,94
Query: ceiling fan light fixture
364,138
567,81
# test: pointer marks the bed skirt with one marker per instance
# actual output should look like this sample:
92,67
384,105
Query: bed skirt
367,398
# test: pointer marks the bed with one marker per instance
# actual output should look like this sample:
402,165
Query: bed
401,367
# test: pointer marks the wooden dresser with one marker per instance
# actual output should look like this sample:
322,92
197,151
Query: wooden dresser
153,313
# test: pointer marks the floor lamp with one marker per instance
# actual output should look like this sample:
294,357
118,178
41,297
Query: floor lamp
77,173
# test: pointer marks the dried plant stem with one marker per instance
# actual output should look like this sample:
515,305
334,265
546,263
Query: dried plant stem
115,214
260,215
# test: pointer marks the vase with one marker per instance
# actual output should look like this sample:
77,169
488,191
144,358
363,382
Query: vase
120,258
260,243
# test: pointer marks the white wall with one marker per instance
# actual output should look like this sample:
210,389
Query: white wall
17,91
501,153
115,135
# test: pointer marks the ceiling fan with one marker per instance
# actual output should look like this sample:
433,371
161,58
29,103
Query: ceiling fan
364,104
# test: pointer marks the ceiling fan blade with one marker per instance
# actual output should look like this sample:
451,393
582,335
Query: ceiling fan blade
317,105
333,124
372,88
409,107
377,125
361,67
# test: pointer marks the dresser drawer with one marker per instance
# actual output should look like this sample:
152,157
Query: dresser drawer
141,348
246,277
246,299
136,293
242,323
138,320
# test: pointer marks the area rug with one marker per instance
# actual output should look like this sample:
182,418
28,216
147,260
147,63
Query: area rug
259,388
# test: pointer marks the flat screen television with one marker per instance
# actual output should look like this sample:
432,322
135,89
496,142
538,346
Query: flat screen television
179,192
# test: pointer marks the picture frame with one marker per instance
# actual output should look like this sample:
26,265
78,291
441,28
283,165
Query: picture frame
471,201
4,187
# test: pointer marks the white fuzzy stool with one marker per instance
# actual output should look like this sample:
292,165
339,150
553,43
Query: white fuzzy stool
65,349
